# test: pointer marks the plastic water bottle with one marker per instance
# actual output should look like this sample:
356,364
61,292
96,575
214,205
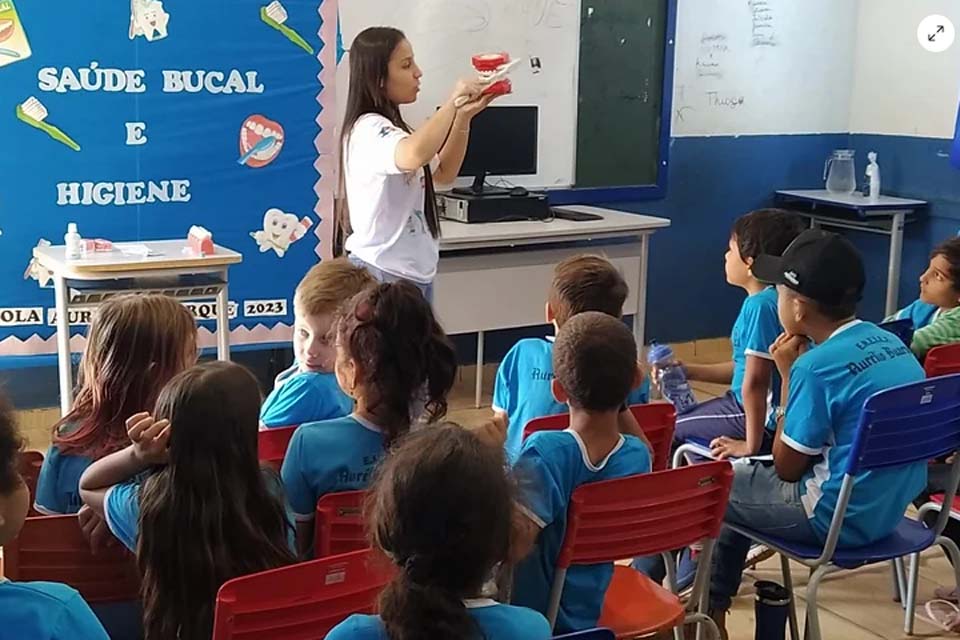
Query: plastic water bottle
671,378
73,242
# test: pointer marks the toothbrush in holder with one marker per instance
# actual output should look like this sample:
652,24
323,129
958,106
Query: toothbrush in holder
275,15
33,113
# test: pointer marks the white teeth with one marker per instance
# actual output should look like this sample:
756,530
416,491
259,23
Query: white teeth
258,129
267,132
250,125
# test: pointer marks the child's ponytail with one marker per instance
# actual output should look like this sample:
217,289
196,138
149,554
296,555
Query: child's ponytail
412,610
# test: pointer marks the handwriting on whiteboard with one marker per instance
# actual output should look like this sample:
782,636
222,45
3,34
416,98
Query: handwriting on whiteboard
719,100
763,33
710,58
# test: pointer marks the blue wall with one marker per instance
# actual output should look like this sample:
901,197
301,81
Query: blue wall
712,180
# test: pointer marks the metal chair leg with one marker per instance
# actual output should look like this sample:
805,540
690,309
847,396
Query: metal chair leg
703,620
812,629
792,607
911,599
899,581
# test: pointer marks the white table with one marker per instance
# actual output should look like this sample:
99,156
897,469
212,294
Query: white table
497,275
114,272
885,216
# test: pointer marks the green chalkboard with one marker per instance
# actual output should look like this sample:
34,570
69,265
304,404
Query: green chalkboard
622,46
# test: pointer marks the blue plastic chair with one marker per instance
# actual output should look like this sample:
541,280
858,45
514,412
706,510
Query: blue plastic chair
589,634
903,329
899,426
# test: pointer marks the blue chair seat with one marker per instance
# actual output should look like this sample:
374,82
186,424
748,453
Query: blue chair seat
909,537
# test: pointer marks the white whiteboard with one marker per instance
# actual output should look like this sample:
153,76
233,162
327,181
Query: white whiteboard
446,33
763,66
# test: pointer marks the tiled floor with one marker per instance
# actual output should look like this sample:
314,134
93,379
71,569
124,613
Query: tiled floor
853,606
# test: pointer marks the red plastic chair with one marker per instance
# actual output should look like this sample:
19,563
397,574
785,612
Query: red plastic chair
942,360
30,464
643,515
52,548
339,526
272,445
657,419
300,601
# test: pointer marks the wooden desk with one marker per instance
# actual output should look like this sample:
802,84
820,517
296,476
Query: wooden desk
497,275
85,282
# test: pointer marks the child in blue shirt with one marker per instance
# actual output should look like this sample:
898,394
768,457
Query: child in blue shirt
820,280
522,391
595,365
308,390
441,512
134,346
189,497
35,610
395,361
737,424
936,313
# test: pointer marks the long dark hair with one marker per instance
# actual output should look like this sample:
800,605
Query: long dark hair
135,345
369,61
403,354
440,508
208,515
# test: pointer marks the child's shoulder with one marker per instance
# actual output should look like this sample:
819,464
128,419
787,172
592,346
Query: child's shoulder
511,621
530,348
49,593
764,301
633,454
335,430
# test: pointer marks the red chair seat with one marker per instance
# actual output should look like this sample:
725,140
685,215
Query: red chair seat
955,511
635,605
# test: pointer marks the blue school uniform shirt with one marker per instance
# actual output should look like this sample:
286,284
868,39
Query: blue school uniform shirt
58,487
828,387
919,312
756,328
328,457
551,466
495,622
523,392
300,397
121,506
46,611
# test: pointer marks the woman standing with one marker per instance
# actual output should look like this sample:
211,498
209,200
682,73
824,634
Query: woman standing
387,169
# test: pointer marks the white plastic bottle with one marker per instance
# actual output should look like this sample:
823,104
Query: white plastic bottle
873,175
73,241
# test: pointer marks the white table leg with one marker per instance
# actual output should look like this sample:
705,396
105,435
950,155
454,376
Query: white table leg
893,270
640,316
478,393
64,362
223,322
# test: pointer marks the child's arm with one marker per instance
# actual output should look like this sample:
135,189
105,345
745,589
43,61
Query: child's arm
944,330
149,449
790,463
628,425
756,386
718,373
523,535
305,535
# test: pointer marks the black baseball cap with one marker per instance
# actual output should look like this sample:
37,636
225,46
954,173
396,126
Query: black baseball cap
820,265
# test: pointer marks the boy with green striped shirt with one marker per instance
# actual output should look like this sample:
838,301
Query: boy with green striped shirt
939,301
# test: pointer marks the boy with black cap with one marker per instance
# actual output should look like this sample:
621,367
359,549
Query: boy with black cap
820,280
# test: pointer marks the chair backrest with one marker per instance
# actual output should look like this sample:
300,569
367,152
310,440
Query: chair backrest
53,549
902,328
272,445
30,464
589,634
645,514
300,601
656,419
942,360
339,525
910,423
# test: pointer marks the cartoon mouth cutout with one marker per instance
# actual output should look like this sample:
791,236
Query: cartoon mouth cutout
260,141
6,29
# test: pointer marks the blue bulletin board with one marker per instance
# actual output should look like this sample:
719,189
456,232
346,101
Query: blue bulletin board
166,110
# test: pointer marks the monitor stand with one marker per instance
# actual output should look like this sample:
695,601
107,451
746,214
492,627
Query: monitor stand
480,189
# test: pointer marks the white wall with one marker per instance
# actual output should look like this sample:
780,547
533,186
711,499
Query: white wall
747,67
898,87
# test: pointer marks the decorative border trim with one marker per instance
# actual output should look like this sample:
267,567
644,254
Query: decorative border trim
326,140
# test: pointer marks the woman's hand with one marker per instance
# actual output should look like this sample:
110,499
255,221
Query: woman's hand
471,109
465,92
150,438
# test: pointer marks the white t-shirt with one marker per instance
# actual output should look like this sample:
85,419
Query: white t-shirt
390,229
